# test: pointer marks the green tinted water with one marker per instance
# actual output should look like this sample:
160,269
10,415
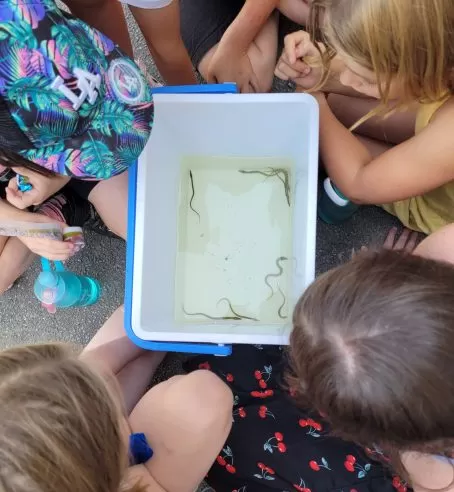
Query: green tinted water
234,252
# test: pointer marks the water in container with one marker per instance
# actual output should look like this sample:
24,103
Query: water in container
234,251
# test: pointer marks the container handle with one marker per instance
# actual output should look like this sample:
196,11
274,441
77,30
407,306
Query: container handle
47,265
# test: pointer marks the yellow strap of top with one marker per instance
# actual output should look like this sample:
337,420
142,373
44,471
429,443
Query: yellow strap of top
426,112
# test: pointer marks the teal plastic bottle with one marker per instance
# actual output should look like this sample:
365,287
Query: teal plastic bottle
333,206
60,288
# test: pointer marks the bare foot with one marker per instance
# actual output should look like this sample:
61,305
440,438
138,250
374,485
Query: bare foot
407,241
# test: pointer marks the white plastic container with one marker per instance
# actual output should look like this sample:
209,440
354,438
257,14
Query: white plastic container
283,126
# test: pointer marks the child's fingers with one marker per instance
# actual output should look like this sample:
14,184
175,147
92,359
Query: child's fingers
402,240
12,184
284,72
16,198
290,43
302,67
53,250
412,242
390,238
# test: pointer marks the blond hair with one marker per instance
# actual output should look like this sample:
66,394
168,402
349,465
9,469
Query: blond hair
59,424
411,41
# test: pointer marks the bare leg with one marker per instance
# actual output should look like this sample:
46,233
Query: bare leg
15,258
394,130
105,15
161,29
187,420
132,366
110,198
262,54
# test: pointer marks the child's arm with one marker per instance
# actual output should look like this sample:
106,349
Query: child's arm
161,29
105,15
227,62
412,168
49,248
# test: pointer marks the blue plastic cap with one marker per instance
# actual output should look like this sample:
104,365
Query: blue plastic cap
48,279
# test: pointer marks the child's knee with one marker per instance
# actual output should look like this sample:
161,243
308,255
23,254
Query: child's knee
217,398
208,403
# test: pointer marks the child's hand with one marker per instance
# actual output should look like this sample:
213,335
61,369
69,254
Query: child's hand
405,240
48,248
291,65
235,67
43,188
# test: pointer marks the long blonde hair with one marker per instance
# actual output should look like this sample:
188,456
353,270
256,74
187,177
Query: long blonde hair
411,41
59,424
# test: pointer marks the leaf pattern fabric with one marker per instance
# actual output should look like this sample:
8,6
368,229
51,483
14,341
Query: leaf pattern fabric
39,44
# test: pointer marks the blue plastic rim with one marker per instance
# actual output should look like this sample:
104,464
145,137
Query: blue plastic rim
192,348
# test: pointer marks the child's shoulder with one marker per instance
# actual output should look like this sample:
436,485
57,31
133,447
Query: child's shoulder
445,111
436,117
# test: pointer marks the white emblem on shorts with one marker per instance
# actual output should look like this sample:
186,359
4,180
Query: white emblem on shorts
87,83
127,81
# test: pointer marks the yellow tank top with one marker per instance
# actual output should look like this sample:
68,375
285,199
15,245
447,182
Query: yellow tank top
435,209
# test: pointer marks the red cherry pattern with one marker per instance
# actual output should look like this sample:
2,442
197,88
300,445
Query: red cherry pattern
264,412
275,442
282,447
266,473
223,459
241,412
262,394
317,466
314,465
399,484
301,487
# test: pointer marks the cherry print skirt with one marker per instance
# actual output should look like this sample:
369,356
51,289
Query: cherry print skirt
274,445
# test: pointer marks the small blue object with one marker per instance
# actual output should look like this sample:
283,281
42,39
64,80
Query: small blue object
23,184
191,348
60,288
139,449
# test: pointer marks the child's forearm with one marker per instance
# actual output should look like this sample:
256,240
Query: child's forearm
105,15
343,155
244,29
161,29
176,67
